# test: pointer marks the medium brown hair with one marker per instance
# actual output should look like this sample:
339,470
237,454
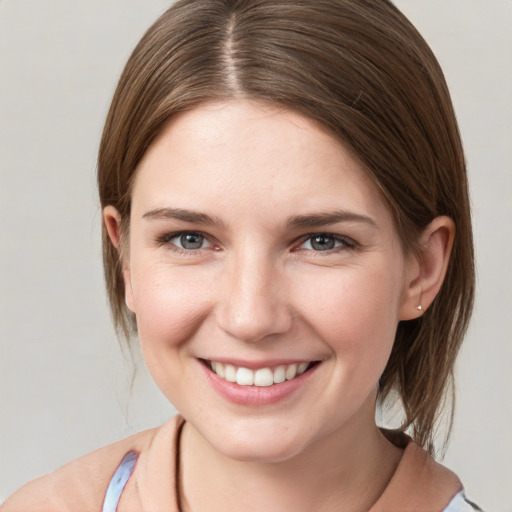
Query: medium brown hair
363,72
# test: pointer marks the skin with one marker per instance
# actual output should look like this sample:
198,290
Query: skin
257,289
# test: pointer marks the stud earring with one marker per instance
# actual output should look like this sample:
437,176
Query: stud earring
419,307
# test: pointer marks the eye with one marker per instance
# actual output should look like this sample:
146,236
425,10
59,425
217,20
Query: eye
190,241
186,241
326,242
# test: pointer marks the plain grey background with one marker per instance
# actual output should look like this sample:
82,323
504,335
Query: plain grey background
65,385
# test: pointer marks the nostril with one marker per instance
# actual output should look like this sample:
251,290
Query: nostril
256,324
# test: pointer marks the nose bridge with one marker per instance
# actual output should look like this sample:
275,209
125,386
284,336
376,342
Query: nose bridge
255,304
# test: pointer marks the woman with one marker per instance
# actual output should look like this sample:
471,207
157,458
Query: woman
287,230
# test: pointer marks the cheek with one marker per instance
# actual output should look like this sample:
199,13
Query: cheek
355,311
169,303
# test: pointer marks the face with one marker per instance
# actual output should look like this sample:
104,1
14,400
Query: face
266,278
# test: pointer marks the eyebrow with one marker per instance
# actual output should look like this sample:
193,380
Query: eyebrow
183,215
324,219
298,221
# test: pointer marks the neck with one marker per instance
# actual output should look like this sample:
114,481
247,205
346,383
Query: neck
346,470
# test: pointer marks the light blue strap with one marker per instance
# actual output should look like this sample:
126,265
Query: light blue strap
119,481
461,504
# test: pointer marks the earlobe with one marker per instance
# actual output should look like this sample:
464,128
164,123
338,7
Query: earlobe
112,220
429,267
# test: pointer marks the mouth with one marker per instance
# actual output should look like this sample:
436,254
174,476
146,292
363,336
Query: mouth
259,377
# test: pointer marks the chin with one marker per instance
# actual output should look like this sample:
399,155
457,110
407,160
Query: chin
261,451
257,444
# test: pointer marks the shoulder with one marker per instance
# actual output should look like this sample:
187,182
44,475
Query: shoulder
79,485
421,483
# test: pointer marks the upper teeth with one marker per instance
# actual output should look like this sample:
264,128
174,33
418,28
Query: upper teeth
261,377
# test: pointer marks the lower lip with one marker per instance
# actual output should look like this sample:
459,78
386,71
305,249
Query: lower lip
256,395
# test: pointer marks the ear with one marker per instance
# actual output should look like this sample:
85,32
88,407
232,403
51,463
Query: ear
112,220
427,269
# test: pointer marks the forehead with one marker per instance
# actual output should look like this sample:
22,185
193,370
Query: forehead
256,157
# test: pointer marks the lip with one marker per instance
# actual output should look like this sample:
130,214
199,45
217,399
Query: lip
255,395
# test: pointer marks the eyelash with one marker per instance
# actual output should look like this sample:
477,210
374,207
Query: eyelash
346,243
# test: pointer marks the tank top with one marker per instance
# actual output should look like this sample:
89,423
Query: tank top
127,466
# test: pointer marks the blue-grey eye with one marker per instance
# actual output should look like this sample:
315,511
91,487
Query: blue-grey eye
326,242
191,241
322,242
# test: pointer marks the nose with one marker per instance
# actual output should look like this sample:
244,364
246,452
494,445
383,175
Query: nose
254,304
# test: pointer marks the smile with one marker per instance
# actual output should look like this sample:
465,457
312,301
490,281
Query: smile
261,377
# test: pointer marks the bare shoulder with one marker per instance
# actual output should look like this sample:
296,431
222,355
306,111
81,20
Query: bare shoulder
79,485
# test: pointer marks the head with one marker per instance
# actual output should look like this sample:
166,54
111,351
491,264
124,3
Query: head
361,72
